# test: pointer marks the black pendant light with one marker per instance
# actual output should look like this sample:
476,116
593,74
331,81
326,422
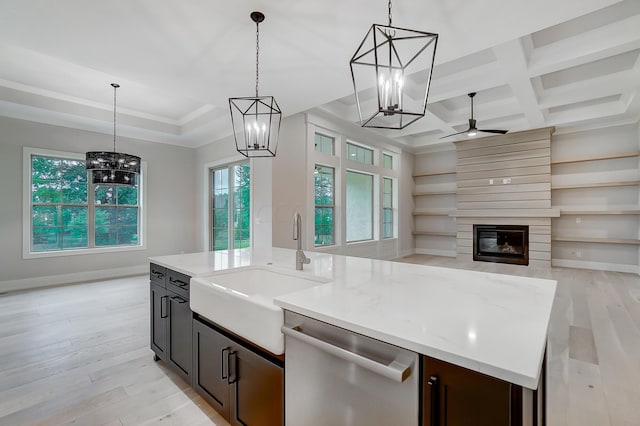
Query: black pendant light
398,62
113,168
256,120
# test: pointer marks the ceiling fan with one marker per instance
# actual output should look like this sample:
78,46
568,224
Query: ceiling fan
473,130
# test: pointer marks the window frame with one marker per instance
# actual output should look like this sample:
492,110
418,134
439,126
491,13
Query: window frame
211,169
357,146
373,207
341,163
384,156
333,143
27,205
383,207
326,206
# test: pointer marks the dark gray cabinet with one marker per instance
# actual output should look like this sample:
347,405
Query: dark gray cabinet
159,317
456,396
171,319
242,384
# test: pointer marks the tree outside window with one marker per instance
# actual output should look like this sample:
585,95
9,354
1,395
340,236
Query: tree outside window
324,205
69,213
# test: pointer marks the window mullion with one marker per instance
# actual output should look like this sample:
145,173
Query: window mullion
230,227
91,212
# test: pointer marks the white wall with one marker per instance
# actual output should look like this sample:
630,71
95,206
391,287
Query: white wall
289,183
170,201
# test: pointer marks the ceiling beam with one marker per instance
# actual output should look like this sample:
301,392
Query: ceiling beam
513,60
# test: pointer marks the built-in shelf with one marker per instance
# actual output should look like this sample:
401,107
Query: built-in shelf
433,233
442,172
597,184
440,192
597,240
604,210
552,212
432,212
597,157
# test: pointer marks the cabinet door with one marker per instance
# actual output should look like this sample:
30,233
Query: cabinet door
159,316
456,396
210,368
257,388
179,335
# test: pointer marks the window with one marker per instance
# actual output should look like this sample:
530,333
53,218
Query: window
355,193
324,144
231,207
359,153
324,205
116,215
359,206
387,208
67,212
387,161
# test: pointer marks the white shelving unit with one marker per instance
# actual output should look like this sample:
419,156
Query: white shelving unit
607,233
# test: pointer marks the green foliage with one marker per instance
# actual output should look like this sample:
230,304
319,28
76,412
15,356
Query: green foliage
324,200
60,212
240,187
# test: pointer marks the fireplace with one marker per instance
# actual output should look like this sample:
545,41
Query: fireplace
501,243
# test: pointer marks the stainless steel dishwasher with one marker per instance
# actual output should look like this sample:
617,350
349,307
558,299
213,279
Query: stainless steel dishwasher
336,377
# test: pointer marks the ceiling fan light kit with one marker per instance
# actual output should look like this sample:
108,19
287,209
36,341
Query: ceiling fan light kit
256,120
113,168
473,130
397,63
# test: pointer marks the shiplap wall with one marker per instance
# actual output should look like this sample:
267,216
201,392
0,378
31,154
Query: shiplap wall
506,180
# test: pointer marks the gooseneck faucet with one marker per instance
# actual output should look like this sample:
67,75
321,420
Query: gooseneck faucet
301,259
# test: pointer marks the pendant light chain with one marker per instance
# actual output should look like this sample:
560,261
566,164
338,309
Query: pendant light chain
257,55
389,12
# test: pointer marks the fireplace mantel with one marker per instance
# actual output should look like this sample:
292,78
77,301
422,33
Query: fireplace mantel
552,212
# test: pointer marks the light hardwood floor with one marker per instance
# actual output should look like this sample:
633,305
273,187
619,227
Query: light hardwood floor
80,354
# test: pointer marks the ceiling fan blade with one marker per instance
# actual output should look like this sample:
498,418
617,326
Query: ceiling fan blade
502,132
453,134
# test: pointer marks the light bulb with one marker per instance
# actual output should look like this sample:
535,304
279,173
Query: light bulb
472,132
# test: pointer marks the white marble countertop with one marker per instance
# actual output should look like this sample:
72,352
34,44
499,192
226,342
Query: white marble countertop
490,323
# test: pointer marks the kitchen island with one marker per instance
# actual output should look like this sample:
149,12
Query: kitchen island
489,324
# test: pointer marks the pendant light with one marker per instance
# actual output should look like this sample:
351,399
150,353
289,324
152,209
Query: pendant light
113,168
256,120
398,62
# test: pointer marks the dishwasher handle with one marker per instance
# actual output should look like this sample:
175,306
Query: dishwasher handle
395,371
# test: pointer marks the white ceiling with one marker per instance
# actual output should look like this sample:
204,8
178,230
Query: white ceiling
569,64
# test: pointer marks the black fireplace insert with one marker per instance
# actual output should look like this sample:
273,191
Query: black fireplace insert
501,243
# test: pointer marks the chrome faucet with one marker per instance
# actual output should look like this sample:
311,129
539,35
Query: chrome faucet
301,259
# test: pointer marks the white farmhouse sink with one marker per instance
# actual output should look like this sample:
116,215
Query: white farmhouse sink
241,300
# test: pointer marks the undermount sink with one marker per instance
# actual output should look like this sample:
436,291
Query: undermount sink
241,300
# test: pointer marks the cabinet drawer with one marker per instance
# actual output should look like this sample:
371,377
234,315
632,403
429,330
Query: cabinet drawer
157,274
178,283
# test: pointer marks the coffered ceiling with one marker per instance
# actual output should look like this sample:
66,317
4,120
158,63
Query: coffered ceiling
570,64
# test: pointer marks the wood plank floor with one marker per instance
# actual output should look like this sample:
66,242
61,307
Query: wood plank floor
80,354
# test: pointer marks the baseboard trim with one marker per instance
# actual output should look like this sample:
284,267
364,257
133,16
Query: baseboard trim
75,277
598,266
409,252
447,253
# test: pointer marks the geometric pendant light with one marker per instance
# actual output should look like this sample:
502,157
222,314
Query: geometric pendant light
113,168
256,120
398,64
